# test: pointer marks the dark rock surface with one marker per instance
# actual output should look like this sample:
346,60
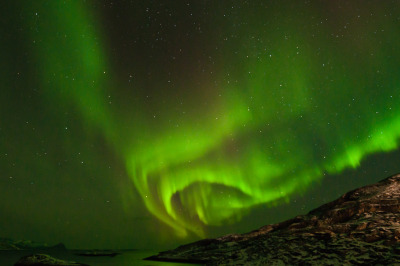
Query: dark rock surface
42,260
361,227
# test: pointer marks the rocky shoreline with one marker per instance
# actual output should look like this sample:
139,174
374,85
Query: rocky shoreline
360,227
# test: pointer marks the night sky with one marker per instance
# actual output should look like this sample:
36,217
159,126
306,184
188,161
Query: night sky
137,124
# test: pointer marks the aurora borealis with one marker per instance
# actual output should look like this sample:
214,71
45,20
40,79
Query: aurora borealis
192,114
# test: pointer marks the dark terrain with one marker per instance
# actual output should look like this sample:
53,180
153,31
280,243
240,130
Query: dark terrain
360,227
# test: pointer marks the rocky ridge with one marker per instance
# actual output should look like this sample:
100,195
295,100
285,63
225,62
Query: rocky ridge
10,244
360,227
43,260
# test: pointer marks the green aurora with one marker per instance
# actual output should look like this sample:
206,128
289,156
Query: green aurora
268,101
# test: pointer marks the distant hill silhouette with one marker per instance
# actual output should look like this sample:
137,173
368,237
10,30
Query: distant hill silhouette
10,244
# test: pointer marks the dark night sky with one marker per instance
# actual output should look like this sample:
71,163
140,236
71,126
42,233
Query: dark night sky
136,124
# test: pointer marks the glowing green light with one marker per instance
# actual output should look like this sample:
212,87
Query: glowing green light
266,138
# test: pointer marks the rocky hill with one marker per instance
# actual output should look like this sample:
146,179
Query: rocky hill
10,244
361,227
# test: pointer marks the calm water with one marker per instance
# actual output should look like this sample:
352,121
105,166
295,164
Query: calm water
127,258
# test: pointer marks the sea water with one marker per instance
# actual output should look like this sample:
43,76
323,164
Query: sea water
126,257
